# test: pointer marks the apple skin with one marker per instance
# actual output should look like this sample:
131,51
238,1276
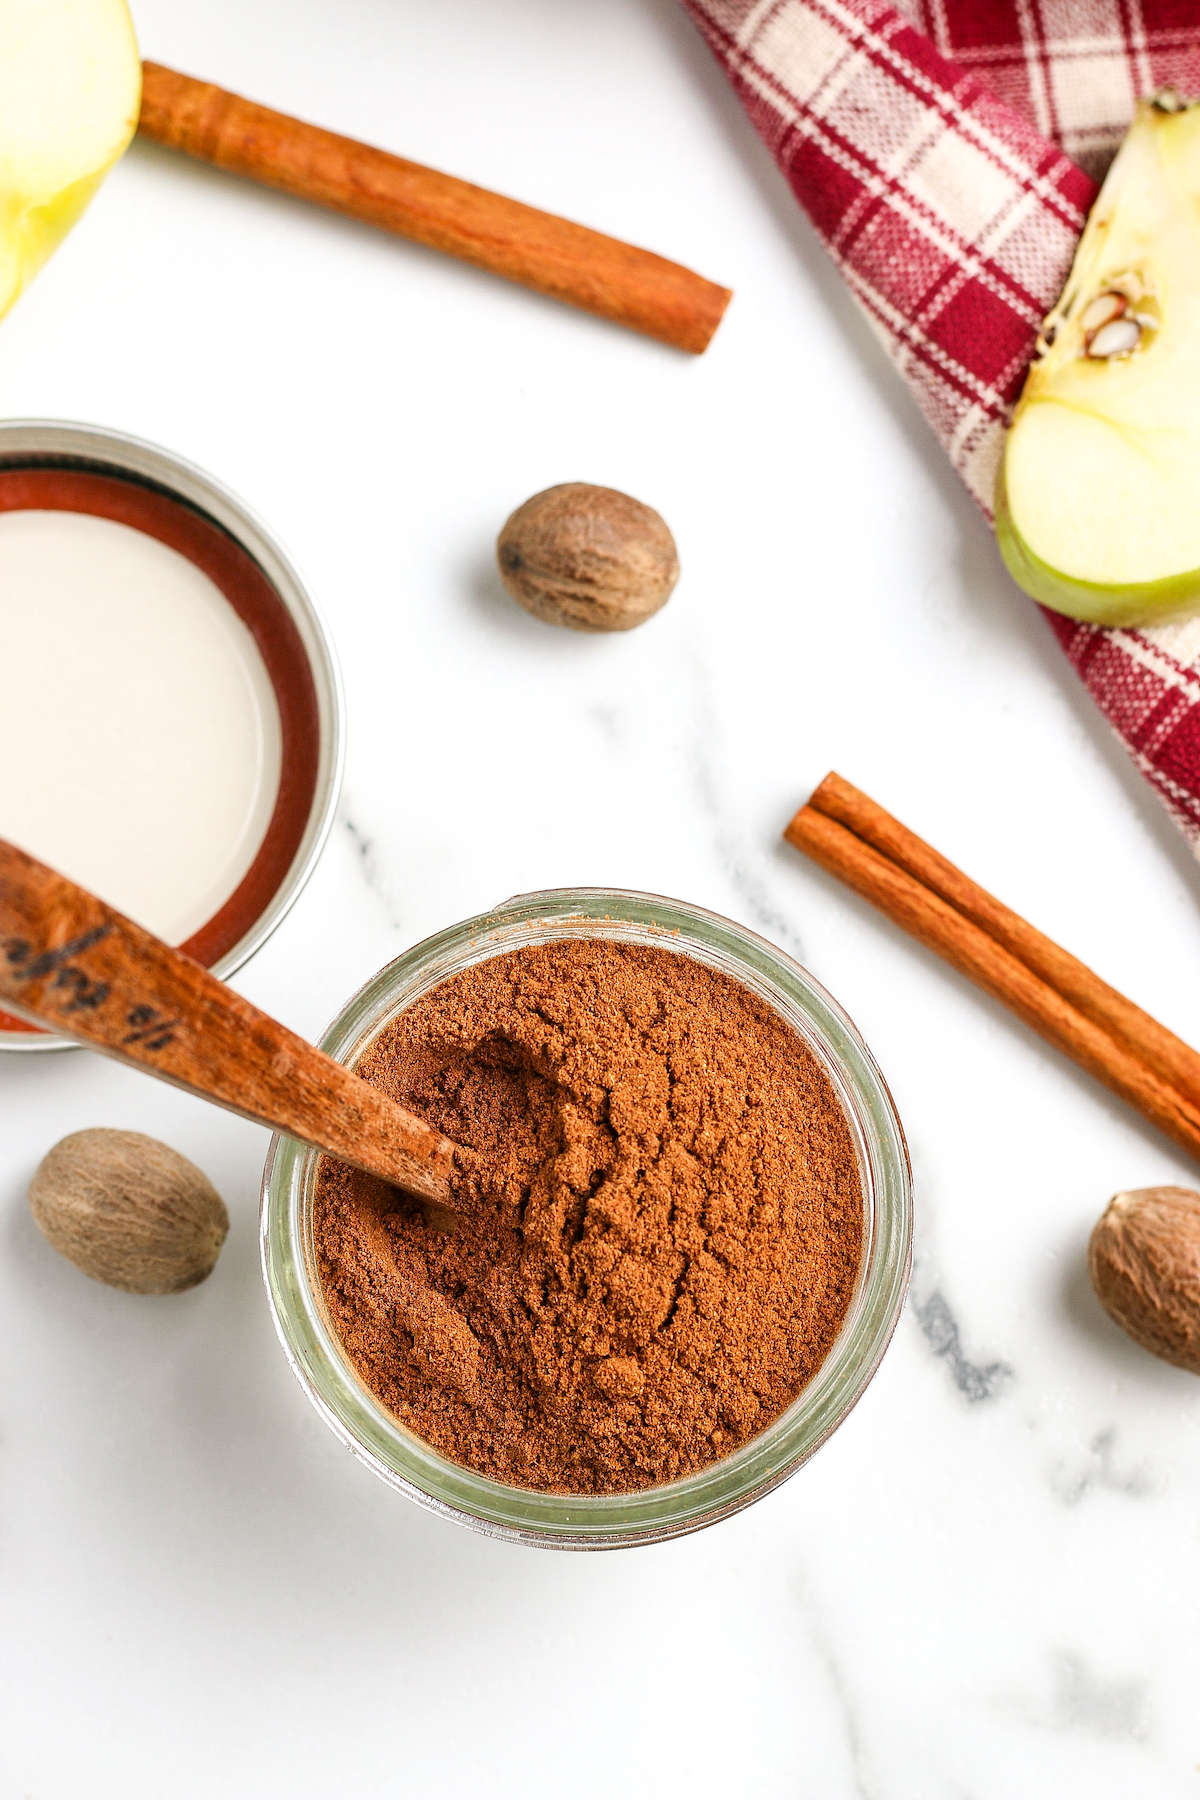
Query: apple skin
1149,603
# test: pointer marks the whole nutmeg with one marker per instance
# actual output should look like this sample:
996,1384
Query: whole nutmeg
129,1211
587,557
1144,1260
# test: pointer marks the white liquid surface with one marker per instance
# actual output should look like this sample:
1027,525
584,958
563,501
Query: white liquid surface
139,732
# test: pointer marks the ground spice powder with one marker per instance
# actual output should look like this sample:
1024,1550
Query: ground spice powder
656,1249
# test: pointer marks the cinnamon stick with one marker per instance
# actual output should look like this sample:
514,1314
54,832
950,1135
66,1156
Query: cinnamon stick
1055,994
536,249
69,961
1176,1062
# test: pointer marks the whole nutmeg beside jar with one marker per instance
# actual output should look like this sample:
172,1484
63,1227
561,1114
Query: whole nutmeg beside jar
129,1211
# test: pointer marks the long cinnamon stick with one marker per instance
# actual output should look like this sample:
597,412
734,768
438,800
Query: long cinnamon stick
536,249
1081,1018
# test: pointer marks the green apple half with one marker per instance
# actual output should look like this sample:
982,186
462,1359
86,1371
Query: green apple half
1098,499
70,89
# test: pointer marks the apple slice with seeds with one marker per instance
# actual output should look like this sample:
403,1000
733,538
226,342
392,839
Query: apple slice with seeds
1098,500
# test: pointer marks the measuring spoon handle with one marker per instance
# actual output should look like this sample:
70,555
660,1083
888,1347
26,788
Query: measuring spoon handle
72,963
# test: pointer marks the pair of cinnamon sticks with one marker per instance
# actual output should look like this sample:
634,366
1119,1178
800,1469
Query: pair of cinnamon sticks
1051,990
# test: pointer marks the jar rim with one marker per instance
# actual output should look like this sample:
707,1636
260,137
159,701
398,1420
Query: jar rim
587,1521
99,450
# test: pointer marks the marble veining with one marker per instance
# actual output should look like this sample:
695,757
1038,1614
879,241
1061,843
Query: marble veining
370,865
1101,1471
740,859
1081,1700
841,1688
976,1381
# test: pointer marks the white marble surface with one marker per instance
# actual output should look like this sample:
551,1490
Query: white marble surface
987,1583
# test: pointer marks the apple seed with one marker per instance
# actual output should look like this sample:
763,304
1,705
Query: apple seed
1117,338
1103,308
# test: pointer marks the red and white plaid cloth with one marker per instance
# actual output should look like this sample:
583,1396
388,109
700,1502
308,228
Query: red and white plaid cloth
928,144
1073,68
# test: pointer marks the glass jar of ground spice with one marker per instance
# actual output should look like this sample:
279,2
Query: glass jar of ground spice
675,1261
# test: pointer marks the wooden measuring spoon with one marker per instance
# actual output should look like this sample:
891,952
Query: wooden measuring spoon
72,963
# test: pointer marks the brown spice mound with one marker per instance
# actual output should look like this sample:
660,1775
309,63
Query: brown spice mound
659,1245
